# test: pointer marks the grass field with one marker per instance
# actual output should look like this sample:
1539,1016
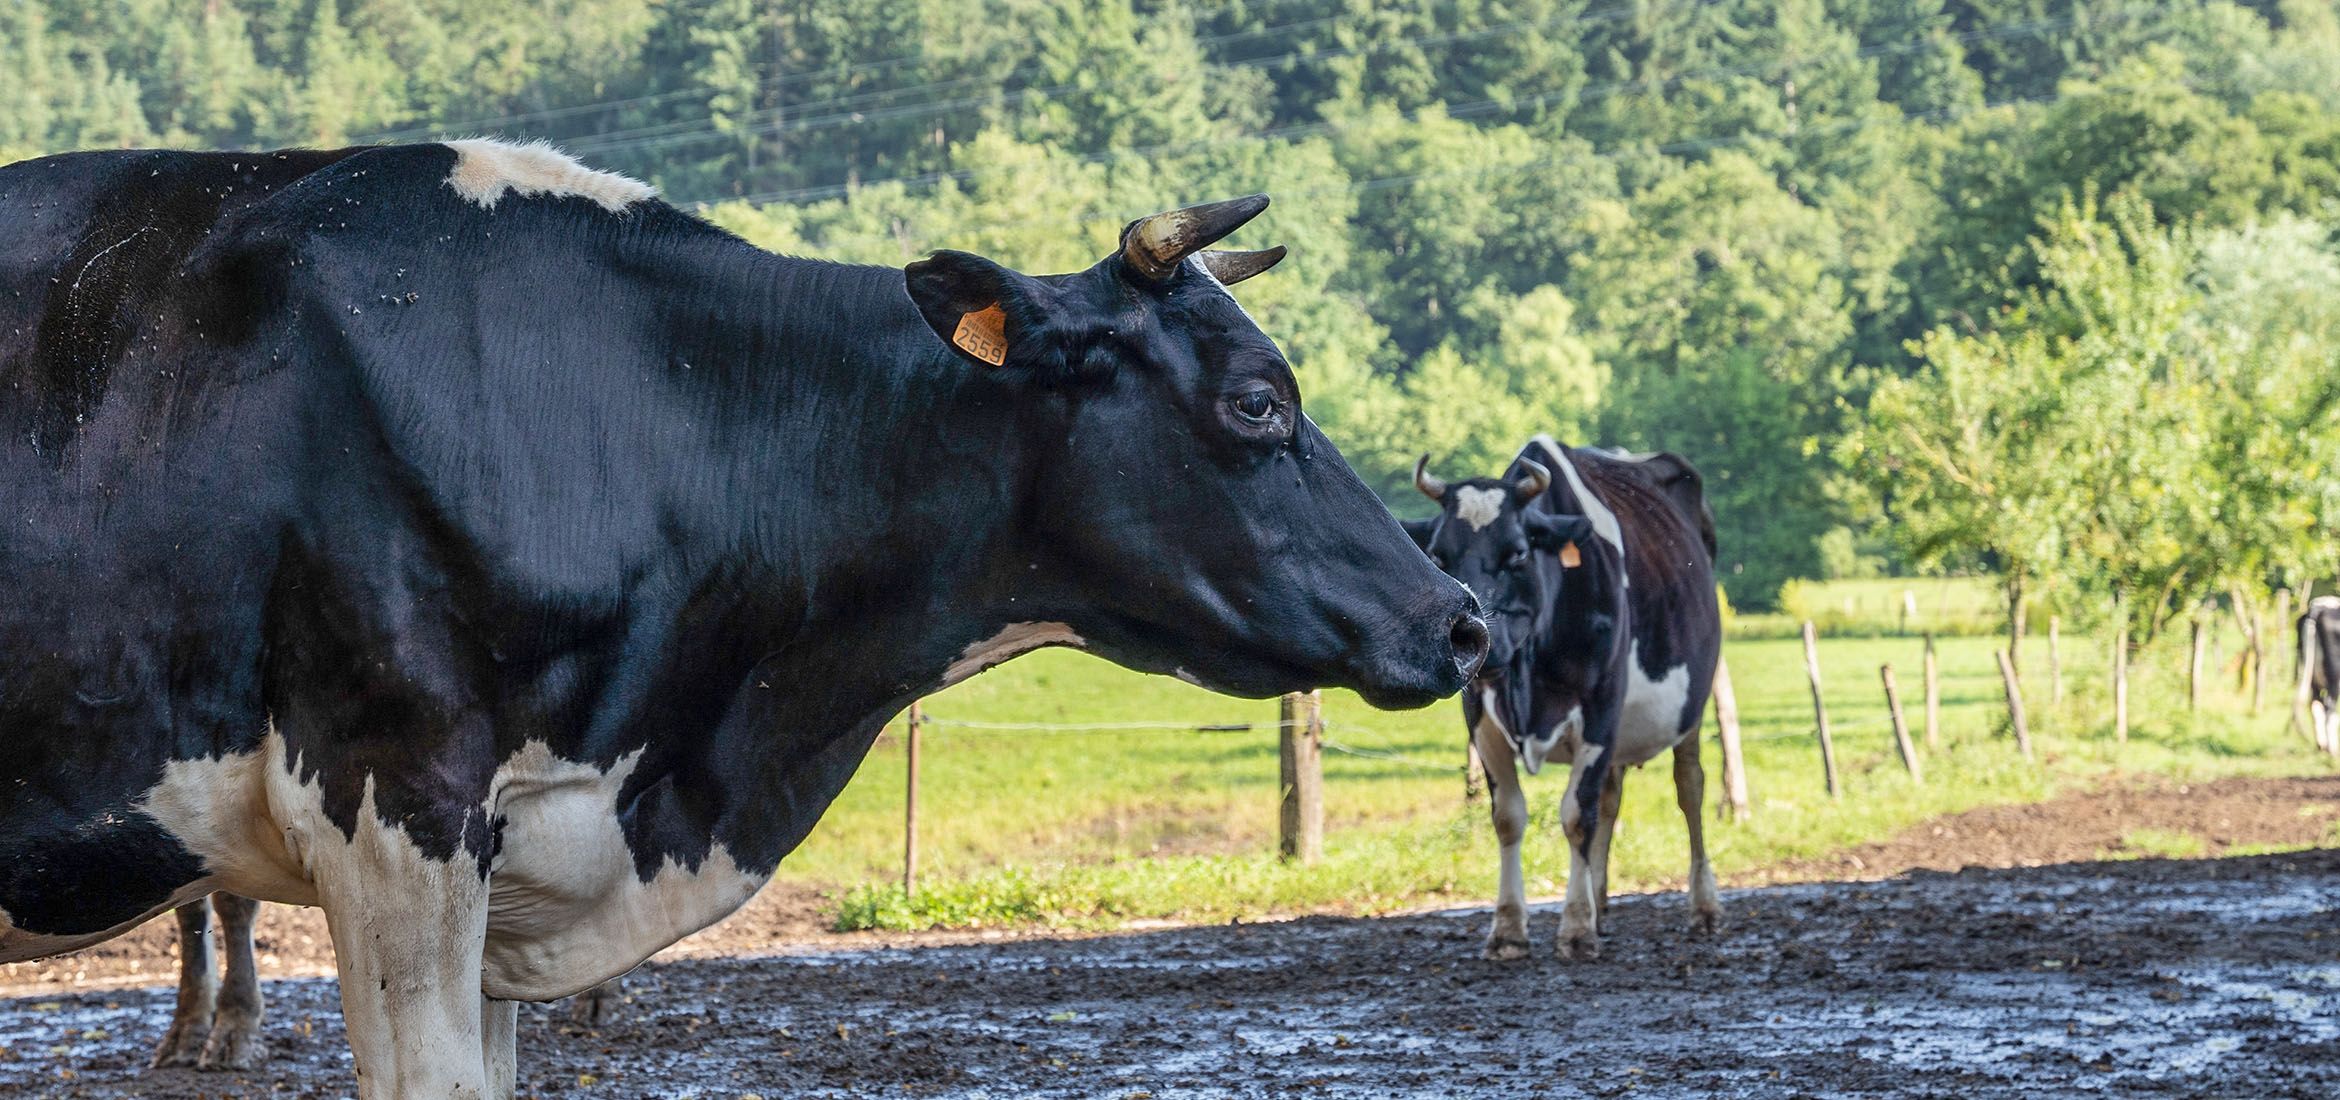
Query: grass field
1062,790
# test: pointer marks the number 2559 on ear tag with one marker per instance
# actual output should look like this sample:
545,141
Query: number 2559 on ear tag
983,334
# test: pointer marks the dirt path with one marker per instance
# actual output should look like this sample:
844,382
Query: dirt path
2144,978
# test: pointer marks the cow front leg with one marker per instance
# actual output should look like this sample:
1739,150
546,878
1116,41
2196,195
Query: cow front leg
1508,939
236,1041
1604,835
408,932
1690,794
191,1018
1580,814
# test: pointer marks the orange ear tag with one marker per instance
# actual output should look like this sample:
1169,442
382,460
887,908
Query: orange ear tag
1570,557
983,334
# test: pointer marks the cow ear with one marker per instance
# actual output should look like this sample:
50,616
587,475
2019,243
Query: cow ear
1420,530
1557,534
991,316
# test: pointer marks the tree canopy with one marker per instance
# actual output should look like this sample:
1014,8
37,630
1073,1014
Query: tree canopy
2040,286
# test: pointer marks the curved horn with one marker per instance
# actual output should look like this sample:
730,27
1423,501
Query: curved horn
1230,268
1533,485
1428,482
1155,246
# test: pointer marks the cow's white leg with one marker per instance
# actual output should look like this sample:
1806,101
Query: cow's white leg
1579,821
408,932
499,1031
1508,939
2316,716
1690,794
198,989
235,1041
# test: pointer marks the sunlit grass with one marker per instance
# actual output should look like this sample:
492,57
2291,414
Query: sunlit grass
1099,826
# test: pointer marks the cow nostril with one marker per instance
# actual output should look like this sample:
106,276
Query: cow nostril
1469,637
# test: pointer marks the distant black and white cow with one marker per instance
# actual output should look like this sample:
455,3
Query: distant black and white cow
466,542
2319,671
1596,571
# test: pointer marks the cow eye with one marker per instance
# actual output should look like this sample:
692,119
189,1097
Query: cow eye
1257,406
1515,559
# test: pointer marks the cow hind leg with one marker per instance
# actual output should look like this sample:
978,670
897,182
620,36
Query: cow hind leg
1580,822
598,1005
236,1041
499,1034
1604,835
1690,794
1507,939
191,1018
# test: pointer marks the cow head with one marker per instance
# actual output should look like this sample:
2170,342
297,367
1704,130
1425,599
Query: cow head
1519,561
1182,514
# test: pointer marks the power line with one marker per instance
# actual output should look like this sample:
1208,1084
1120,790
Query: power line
773,83
663,135
1672,148
1468,109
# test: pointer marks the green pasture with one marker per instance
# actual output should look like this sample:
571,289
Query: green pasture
1062,790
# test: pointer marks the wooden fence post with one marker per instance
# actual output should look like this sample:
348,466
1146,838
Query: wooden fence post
917,720
1819,707
1734,761
2194,665
2304,658
1908,610
2015,704
1909,757
2056,660
1300,736
2121,670
1933,697
2246,619
1474,772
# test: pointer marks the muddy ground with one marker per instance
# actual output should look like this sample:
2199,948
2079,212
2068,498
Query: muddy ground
2213,977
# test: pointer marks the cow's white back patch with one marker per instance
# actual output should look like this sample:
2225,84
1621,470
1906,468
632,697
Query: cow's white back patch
1479,507
485,169
1012,640
1603,520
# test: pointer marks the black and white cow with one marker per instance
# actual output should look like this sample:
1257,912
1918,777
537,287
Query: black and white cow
2319,671
472,545
1599,593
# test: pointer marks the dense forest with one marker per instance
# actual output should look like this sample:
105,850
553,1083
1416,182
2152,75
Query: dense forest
2044,287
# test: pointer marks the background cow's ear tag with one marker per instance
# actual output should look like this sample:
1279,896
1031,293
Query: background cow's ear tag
1570,556
983,334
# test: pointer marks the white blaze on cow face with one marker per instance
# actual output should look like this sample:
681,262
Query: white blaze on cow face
1011,641
1478,507
485,169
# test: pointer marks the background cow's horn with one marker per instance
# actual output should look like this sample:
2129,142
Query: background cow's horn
1533,485
1155,246
1230,268
1428,482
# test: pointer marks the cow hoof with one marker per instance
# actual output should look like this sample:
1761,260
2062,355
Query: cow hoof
181,1046
1706,922
1505,947
1584,947
234,1047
